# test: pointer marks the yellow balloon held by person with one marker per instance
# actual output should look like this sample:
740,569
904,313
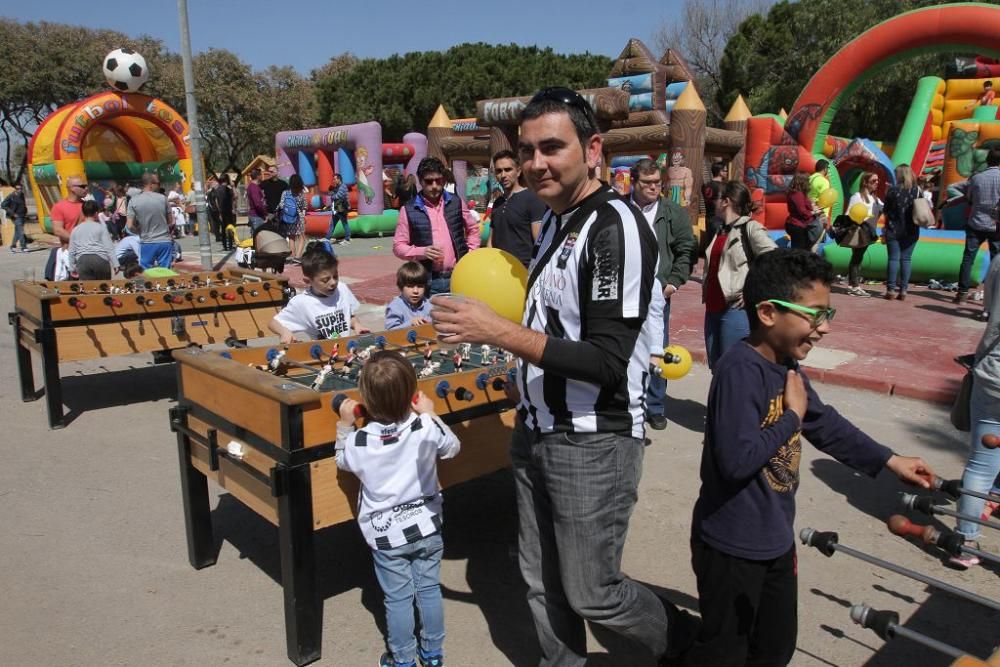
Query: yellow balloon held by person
496,278
676,362
858,213
827,198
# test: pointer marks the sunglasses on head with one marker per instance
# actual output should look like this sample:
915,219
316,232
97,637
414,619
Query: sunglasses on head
817,315
568,97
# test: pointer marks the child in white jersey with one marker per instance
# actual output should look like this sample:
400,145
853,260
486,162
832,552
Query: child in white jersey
394,455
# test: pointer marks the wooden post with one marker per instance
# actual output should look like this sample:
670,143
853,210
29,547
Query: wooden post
687,135
438,131
736,121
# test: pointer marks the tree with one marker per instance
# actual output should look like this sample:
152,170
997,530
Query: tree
701,35
403,91
757,62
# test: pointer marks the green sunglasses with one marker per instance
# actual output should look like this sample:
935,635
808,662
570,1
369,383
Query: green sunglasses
818,315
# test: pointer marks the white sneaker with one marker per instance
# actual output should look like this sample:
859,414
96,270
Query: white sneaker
857,291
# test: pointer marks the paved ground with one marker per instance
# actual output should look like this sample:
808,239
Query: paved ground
95,565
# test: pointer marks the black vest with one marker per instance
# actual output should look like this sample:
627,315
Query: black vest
420,225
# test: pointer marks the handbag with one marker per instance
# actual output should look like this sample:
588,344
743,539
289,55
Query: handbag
961,417
923,214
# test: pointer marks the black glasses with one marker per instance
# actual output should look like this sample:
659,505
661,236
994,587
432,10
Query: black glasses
568,97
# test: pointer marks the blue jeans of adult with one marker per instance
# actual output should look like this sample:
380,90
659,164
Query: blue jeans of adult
156,254
575,495
254,222
412,571
898,271
334,219
973,239
722,331
983,466
440,285
657,391
19,234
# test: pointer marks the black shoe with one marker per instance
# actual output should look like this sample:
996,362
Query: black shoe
657,422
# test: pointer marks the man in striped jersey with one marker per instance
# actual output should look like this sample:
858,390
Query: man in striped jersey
578,443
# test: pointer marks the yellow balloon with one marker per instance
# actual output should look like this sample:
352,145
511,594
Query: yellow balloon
496,278
827,198
676,362
858,213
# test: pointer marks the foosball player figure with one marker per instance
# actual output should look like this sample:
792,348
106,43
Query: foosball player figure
759,405
428,351
325,310
411,308
394,455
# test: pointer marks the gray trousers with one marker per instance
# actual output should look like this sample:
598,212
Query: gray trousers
575,495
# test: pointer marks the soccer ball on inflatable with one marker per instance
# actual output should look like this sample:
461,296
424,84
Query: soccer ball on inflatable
125,70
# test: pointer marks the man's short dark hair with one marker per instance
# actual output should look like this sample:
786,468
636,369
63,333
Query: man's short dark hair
339,177
564,100
506,155
987,84
90,208
316,259
412,273
643,166
821,165
993,157
255,173
782,274
717,168
429,165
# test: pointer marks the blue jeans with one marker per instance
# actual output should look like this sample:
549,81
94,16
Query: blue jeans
156,254
254,222
19,234
334,219
983,466
973,239
900,251
439,286
657,390
408,572
575,494
722,331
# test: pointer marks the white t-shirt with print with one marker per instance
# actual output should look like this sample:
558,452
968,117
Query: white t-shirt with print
320,317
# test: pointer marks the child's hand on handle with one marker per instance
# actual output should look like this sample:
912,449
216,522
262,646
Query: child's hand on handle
911,469
795,397
422,404
347,408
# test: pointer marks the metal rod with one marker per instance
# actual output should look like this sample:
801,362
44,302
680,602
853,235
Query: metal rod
897,630
924,504
983,555
826,542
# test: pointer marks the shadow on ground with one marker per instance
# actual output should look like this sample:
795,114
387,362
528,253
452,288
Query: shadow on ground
96,391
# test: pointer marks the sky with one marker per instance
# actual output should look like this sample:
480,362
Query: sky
307,33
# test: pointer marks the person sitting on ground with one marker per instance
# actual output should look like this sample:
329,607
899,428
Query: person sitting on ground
326,309
91,253
399,508
411,308
760,404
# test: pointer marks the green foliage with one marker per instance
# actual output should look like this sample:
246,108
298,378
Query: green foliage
403,91
771,59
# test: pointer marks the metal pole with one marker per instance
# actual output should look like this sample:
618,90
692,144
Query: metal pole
204,244
924,504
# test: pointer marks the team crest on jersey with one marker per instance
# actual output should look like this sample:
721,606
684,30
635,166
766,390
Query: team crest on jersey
567,250
604,284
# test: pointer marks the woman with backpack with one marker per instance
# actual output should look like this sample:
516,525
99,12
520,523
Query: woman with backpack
292,214
901,232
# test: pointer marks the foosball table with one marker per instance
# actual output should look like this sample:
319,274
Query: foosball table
77,320
262,423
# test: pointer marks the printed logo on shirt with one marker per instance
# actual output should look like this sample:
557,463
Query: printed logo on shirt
552,286
331,325
782,471
380,522
567,250
604,286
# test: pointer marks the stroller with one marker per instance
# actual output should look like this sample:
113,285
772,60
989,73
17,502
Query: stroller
267,249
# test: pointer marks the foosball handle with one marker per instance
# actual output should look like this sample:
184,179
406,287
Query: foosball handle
381,342
875,620
352,345
822,540
338,400
316,352
949,487
991,441
411,336
442,388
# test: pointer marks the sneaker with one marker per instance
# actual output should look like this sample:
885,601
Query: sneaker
965,561
857,291
346,242
901,296
960,297
657,422
889,295
430,659
387,661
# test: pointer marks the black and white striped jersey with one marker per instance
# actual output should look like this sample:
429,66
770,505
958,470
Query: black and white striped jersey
591,294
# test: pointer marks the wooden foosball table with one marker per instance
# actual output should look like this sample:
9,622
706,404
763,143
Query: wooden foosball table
78,320
260,422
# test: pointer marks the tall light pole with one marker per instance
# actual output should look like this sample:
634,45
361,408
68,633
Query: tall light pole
204,244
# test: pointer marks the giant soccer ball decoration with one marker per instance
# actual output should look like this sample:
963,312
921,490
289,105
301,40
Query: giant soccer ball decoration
125,70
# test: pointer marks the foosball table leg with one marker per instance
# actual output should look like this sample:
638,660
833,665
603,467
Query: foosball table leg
194,493
25,374
303,607
50,372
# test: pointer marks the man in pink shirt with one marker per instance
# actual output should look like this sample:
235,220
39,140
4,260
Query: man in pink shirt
435,227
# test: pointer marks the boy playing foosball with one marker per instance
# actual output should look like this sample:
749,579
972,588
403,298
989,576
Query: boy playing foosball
394,455
325,310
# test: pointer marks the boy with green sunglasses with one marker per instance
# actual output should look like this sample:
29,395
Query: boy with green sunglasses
759,405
